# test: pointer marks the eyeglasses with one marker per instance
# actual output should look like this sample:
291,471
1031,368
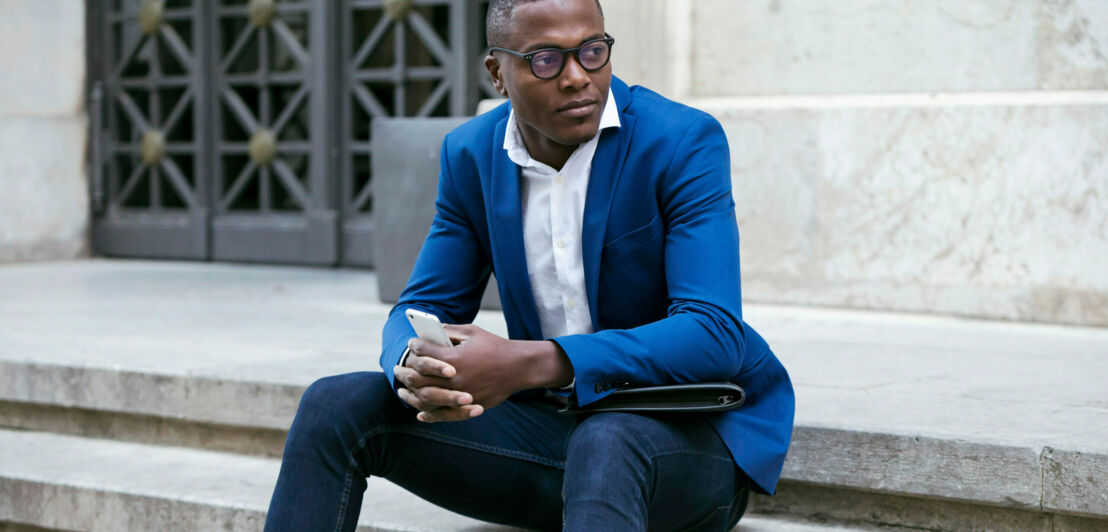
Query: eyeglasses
548,63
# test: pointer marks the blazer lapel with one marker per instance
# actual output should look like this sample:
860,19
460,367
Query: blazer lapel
509,256
607,164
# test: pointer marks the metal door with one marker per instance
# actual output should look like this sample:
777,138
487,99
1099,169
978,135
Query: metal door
149,180
239,129
269,83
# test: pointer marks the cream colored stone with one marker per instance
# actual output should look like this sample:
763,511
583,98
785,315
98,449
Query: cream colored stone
648,49
44,200
43,192
844,46
42,57
1072,42
773,164
991,211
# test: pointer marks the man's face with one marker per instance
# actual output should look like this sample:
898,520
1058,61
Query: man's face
566,109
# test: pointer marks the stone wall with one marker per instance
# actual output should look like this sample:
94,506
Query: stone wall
940,156
43,184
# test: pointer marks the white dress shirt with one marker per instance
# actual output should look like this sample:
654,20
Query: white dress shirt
553,211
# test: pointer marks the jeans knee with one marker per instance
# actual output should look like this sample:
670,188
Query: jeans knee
609,434
336,409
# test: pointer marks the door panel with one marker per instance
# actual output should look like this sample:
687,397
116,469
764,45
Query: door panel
240,129
270,117
150,149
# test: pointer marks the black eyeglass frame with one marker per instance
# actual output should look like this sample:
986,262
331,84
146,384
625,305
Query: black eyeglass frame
529,56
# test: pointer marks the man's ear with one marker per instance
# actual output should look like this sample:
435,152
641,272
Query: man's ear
493,65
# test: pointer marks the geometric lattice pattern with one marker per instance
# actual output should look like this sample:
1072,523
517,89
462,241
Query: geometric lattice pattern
403,62
240,129
262,89
150,98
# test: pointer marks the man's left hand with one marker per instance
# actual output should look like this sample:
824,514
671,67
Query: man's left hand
488,367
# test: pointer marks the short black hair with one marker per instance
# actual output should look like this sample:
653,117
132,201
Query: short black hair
500,11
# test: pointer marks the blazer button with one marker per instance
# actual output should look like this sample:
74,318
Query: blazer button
600,387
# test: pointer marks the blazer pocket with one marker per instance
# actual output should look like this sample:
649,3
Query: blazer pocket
635,238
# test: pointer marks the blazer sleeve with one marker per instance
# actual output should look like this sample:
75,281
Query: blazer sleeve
451,246
702,337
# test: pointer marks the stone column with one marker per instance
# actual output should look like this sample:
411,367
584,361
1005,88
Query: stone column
44,212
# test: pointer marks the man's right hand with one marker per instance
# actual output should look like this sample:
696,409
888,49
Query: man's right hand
427,382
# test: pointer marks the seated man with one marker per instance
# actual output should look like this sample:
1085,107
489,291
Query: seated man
606,213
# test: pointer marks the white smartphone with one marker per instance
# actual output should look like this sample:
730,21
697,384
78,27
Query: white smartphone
428,327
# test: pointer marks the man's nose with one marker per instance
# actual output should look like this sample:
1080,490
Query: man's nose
574,76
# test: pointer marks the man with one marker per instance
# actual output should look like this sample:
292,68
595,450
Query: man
606,213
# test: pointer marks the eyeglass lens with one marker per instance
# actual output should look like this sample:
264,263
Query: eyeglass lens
548,63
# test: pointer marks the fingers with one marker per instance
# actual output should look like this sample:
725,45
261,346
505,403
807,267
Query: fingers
459,333
423,359
424,400
431,367
460,413
432,397
414,379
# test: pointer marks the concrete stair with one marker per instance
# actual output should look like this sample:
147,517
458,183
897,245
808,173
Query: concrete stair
143,395
112,485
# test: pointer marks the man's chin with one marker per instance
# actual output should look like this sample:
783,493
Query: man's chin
578,135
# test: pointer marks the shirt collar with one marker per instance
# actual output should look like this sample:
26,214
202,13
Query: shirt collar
513,139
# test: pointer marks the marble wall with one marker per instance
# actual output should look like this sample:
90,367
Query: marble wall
843,46
43,185
947,157
997,211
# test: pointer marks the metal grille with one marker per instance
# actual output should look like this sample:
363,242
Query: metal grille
400,60
239,129
270,125
150,149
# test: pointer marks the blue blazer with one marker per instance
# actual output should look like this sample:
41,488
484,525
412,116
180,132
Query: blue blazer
660,248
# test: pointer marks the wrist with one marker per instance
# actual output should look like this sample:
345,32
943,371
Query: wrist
545,365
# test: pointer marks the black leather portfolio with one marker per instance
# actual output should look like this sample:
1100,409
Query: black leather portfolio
701,397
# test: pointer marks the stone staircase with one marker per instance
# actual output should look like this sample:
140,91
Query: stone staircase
155,396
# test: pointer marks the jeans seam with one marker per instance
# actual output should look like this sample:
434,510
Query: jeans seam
511,453
728,459
345,499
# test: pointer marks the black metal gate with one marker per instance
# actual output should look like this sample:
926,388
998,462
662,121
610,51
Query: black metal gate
239,129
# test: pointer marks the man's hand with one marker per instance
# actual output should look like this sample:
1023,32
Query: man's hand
480,372
428,388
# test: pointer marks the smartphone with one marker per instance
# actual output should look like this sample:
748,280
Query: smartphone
428,327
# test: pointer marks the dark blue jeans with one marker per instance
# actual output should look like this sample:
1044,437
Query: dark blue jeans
520,463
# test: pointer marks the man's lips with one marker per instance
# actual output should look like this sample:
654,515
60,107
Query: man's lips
578,108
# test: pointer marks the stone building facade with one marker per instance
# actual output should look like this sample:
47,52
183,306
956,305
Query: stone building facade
944,156
44,207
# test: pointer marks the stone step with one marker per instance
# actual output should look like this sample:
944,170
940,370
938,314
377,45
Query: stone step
866,489
895,413
73,483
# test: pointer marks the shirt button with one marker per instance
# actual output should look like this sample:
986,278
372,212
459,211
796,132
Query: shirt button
558,179
572,303
561,243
